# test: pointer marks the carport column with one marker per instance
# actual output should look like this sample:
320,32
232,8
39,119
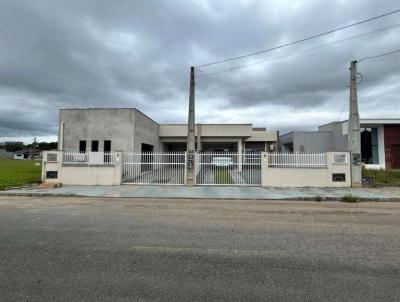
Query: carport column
198,137
264,168
61,142
240,157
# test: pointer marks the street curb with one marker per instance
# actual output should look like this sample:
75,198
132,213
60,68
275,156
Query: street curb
333,198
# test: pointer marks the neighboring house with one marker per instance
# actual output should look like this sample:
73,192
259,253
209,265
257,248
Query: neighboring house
28,154
19,156
129,130
6,155
380,141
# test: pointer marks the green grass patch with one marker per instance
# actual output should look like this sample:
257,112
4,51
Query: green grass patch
14,173
383,177
350,198
223,177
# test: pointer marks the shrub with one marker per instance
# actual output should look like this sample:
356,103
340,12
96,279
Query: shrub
350,198
383,177
318,198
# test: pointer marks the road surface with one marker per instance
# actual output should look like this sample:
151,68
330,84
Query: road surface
115,249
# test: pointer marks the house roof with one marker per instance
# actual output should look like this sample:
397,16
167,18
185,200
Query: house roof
380,121
23,151
369,121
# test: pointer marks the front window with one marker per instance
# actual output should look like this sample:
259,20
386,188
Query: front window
369,145
82,146
95,146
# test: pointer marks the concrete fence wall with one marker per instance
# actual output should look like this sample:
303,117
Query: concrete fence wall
332,175
53,171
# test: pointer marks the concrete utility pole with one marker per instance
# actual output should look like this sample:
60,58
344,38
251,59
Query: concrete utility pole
191,137
33,147
354,139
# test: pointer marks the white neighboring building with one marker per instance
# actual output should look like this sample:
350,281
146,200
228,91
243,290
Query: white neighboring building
380,141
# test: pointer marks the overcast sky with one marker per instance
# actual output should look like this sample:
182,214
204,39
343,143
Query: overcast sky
64,54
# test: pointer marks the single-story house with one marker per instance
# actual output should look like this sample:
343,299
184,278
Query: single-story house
5,154
130,130
380,141
28,154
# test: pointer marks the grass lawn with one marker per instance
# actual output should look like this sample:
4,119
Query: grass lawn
15,173
384,177
223,177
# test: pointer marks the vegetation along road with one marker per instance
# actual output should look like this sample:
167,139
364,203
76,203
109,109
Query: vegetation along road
14,173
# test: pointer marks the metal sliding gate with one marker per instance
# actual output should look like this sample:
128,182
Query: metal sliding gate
228,168
167,168
211,168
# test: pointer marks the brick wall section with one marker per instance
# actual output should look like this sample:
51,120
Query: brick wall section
392,141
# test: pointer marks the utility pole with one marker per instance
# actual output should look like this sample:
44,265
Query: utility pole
354,139
191,136
33,147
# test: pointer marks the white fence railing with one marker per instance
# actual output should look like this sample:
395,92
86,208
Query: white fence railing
74,158
297,160
228,168
154,168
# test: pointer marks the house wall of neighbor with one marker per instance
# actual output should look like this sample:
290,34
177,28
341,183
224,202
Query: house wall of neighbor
312,141
99,124
392,142
284,141
381,146
339,135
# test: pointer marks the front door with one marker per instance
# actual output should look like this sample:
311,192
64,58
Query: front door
147,157
395,156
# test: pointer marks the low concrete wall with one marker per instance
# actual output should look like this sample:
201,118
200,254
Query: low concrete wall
305,177
81,175
53,171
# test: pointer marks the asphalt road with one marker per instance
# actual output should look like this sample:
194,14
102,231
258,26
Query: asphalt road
93,249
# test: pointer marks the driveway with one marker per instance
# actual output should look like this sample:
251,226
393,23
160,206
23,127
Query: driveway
112,249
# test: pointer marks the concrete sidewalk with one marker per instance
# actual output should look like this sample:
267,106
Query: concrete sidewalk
212,192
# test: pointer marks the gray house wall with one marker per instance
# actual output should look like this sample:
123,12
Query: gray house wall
284,141
328,138
312,142
116,125
303,141
286,138
146,132
127,128
339,141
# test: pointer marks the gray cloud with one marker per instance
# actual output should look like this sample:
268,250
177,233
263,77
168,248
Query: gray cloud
60,54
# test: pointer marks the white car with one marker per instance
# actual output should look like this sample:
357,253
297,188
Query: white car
222,161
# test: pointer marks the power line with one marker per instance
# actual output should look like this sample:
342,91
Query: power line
297,53
378,56
301,40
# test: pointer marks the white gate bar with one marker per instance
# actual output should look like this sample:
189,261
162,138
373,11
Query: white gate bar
228,168
149,168
297,160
